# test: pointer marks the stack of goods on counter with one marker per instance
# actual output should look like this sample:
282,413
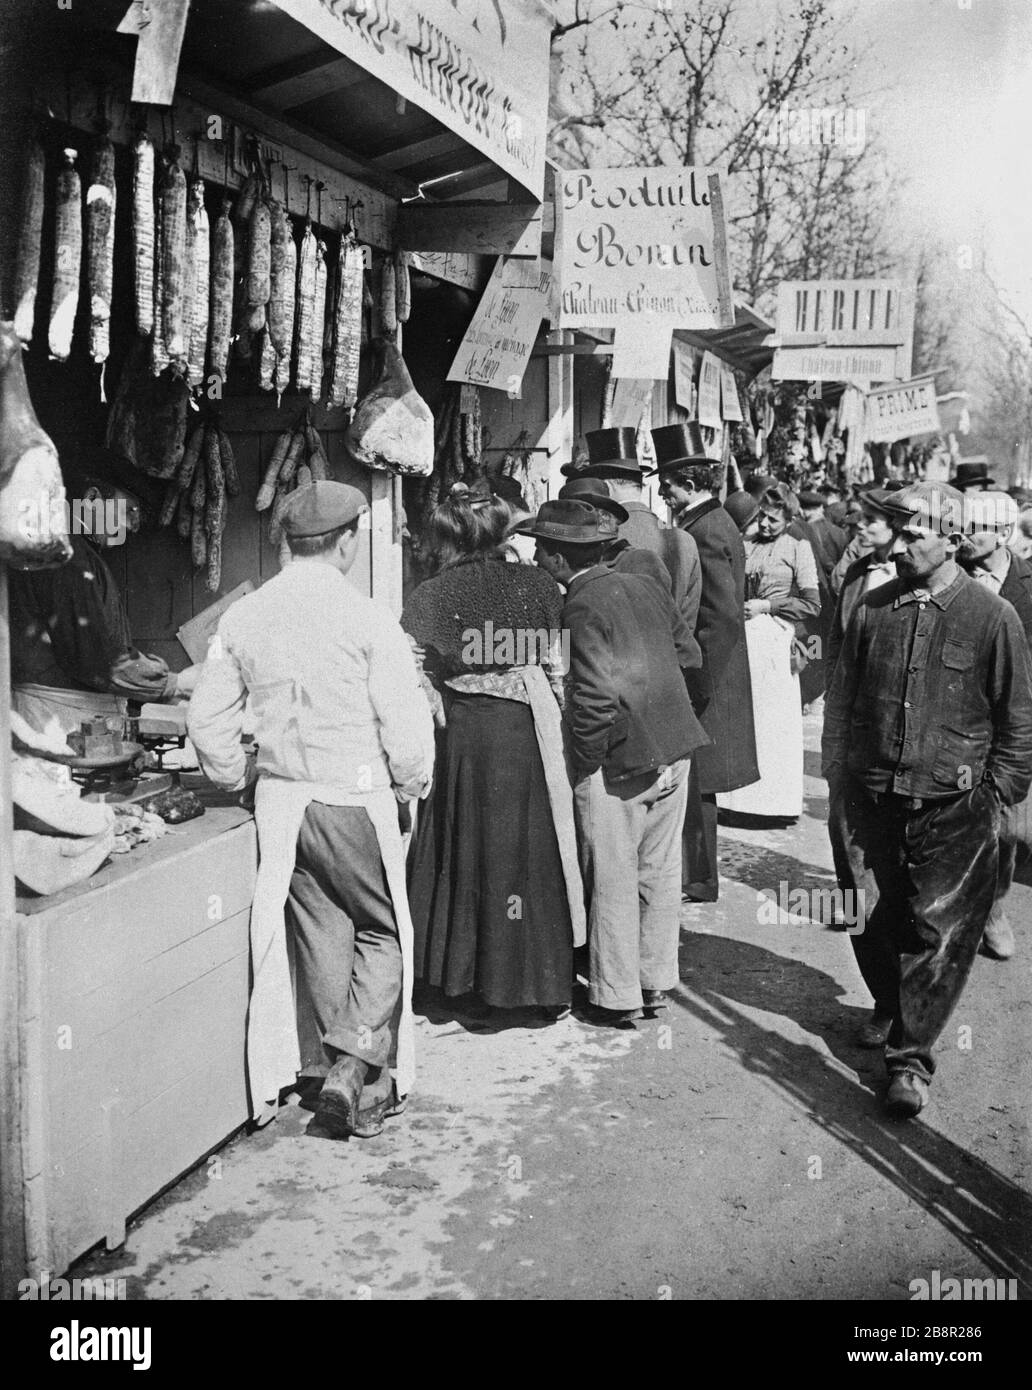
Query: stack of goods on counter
135,826
196,497
297,460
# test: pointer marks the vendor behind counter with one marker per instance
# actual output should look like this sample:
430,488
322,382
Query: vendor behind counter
72,655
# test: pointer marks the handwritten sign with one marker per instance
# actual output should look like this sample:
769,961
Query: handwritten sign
638,245
730,405
496,347
899,411
684,377
642,349
481,69
709,391
630,400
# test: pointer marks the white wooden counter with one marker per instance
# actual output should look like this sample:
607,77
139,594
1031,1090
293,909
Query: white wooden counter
134,997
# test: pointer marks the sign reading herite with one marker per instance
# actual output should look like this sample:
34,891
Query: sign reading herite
868,325
898,412
481,67
641,244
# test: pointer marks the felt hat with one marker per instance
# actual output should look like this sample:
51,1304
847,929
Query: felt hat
320,507
612,453
972,473
575,521
592,490
679,445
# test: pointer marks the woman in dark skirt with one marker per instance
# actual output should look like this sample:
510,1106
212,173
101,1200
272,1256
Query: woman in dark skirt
488,886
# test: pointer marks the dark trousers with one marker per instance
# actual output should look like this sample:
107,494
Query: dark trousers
344,940
699,873
928,877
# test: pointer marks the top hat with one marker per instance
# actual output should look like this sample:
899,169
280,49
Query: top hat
575,520
611,454
972,473
679,445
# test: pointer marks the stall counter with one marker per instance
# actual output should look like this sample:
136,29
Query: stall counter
134,999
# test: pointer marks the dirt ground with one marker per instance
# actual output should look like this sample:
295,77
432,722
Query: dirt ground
734,1148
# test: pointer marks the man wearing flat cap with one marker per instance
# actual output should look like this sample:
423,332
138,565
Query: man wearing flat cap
927,737
344,733
721,688
632,731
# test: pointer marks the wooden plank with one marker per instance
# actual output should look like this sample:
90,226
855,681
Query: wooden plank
160,29
325,76
12,1209
485,228
727,308
385,556
410,156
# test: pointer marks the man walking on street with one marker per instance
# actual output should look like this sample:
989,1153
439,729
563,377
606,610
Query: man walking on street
344,733
927,736
721,689
631,734
990,519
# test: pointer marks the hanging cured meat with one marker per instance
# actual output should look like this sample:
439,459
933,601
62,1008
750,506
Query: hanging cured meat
67,259
393,427
347,340
143,232
30,231
198,259
32,496
100,246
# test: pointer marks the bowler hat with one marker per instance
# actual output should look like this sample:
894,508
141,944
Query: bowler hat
575,521
611,454
972,473
741,507
679,445
317,508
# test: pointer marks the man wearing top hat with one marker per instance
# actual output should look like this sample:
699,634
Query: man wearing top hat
973,473
632,732
344,733
721,689
612,455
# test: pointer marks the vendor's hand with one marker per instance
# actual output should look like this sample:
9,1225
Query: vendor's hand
186,680
412,791
755,606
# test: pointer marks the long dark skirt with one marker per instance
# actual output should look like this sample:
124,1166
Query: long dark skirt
486,884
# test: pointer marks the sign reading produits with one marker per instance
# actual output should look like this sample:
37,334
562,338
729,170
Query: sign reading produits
637,245
482,69
496,347
897,412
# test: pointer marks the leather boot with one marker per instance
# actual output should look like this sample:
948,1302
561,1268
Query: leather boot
336,1112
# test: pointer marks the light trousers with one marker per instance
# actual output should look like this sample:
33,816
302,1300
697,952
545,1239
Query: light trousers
630,834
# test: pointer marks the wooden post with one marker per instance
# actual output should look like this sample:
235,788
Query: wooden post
12,1191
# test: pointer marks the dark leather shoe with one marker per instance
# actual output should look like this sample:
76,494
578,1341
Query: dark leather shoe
611,1018
369,1122
652,1000
874,1032
336,1111
907,1095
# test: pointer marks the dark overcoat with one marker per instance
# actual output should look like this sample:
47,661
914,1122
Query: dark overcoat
722,688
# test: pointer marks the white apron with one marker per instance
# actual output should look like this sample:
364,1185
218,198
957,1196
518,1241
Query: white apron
778,721
273,1052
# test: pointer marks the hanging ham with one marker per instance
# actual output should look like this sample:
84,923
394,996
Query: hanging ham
393,427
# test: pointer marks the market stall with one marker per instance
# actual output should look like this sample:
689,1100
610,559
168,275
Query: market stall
241,245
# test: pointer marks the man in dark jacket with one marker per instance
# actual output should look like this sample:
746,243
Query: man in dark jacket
927,736
631,733
612,455
720,689
989,522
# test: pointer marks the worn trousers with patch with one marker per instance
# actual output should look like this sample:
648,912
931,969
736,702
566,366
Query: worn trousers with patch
928,876
630,838
343,938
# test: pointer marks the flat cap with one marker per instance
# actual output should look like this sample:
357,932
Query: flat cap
320,507
935,506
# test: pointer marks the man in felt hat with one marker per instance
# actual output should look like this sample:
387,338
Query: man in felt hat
927,736
344,733
990,520
612,456
972,473
632,732
721,688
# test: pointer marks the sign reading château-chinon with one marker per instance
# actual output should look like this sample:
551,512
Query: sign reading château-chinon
843,330
639,245
481,67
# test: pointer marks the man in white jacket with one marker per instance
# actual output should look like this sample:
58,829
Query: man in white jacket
344,732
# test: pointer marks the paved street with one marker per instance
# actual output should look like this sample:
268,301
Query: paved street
734,1149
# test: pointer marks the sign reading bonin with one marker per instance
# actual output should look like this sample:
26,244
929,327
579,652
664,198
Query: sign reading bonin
481,67
637,244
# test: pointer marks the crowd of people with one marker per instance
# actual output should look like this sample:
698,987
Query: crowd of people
567,721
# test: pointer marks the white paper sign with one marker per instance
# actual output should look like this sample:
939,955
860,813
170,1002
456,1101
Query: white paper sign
642,350
897,412
684,377
709,391
629,401
496,348
730,406
637,244
833,364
